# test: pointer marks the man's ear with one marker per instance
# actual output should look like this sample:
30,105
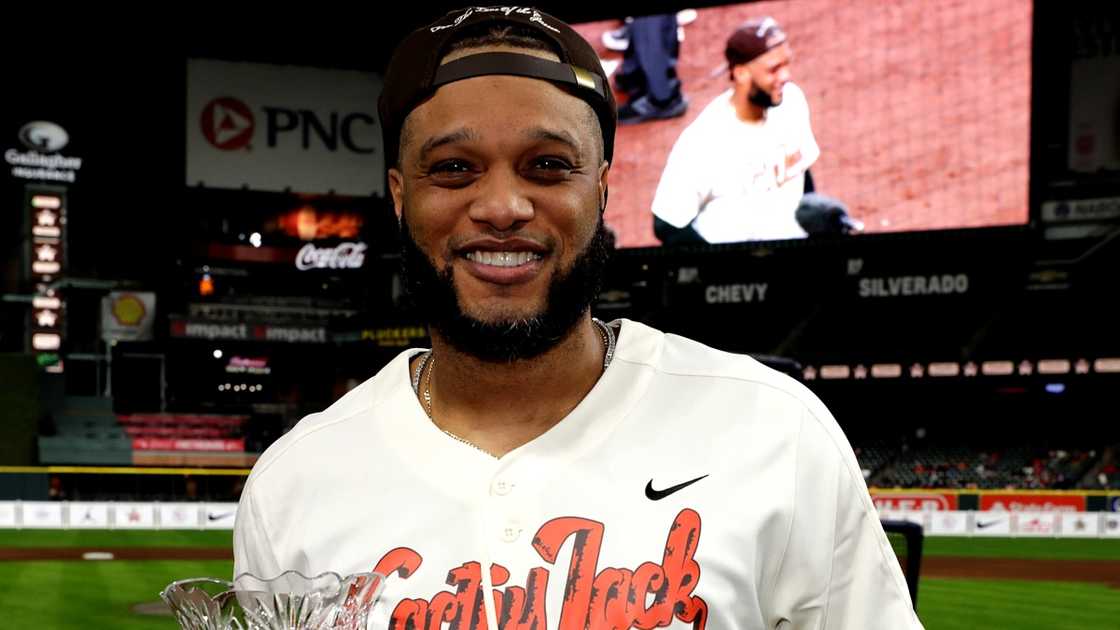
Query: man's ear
604,175
396,189
741,74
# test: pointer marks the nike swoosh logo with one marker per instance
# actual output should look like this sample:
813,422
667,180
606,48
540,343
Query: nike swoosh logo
218,517
980,525
657,495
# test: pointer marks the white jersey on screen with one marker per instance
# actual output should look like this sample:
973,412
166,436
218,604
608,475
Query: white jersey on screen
739,181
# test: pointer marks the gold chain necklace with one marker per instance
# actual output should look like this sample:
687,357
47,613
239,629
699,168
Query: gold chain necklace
428,361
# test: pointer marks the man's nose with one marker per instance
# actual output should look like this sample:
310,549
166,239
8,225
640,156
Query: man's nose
502,200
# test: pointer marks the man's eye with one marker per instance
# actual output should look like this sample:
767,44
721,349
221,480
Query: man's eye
551,164
452,167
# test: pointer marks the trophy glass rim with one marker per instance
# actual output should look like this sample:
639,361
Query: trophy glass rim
231,586
290,573
180,584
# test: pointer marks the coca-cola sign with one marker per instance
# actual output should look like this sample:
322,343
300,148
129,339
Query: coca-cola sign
341,256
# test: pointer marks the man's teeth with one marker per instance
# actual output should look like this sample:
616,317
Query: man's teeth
502,259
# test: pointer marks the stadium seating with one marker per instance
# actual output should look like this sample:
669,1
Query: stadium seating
913,463
83,430
182,426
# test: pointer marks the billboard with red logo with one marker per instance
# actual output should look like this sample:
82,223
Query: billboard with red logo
913,500
283,128
1013,502
227,124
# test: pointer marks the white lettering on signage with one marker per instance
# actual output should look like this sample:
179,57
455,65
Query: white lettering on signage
32,165
32,158
343,256
296,335
946,284
216,331
736,293
44,173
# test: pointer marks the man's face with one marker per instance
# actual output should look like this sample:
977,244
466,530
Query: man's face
499,189
766,75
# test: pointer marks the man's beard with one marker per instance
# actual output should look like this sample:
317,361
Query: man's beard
570,293
761,98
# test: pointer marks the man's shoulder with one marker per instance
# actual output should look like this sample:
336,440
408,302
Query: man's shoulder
794,100
736,396
342,418
742,384
794,90
730,387
679,357
713,119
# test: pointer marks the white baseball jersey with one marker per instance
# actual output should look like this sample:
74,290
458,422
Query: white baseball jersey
691,488
739,181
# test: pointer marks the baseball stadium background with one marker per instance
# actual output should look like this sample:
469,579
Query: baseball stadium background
967,344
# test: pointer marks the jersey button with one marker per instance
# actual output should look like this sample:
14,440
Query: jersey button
501,487
511,532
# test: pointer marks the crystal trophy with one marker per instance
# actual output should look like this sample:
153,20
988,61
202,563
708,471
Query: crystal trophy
289,601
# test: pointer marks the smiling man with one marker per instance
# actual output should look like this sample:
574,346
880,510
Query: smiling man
739,172
538,468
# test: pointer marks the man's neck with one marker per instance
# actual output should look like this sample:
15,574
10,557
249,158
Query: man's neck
500,406
745,110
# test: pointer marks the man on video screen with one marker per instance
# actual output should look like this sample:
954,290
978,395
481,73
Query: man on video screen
738,172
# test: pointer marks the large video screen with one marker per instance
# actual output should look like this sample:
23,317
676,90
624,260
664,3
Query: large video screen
831,116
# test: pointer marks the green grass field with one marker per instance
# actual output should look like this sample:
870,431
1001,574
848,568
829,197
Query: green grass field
973,604
92,595
114,538
945,604
96,595
1034,548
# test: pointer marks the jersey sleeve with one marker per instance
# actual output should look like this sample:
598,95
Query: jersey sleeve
838,570
252,549
680,192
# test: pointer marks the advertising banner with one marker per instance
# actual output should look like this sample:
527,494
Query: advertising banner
134,516
1080,525
128,316
42,514
913,500
89,515
948,524
1032,502
219,515
179,516
1110,525
991,524
283,128
8,514
1038,524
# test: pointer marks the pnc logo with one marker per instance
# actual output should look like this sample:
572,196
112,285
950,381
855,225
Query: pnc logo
227,124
